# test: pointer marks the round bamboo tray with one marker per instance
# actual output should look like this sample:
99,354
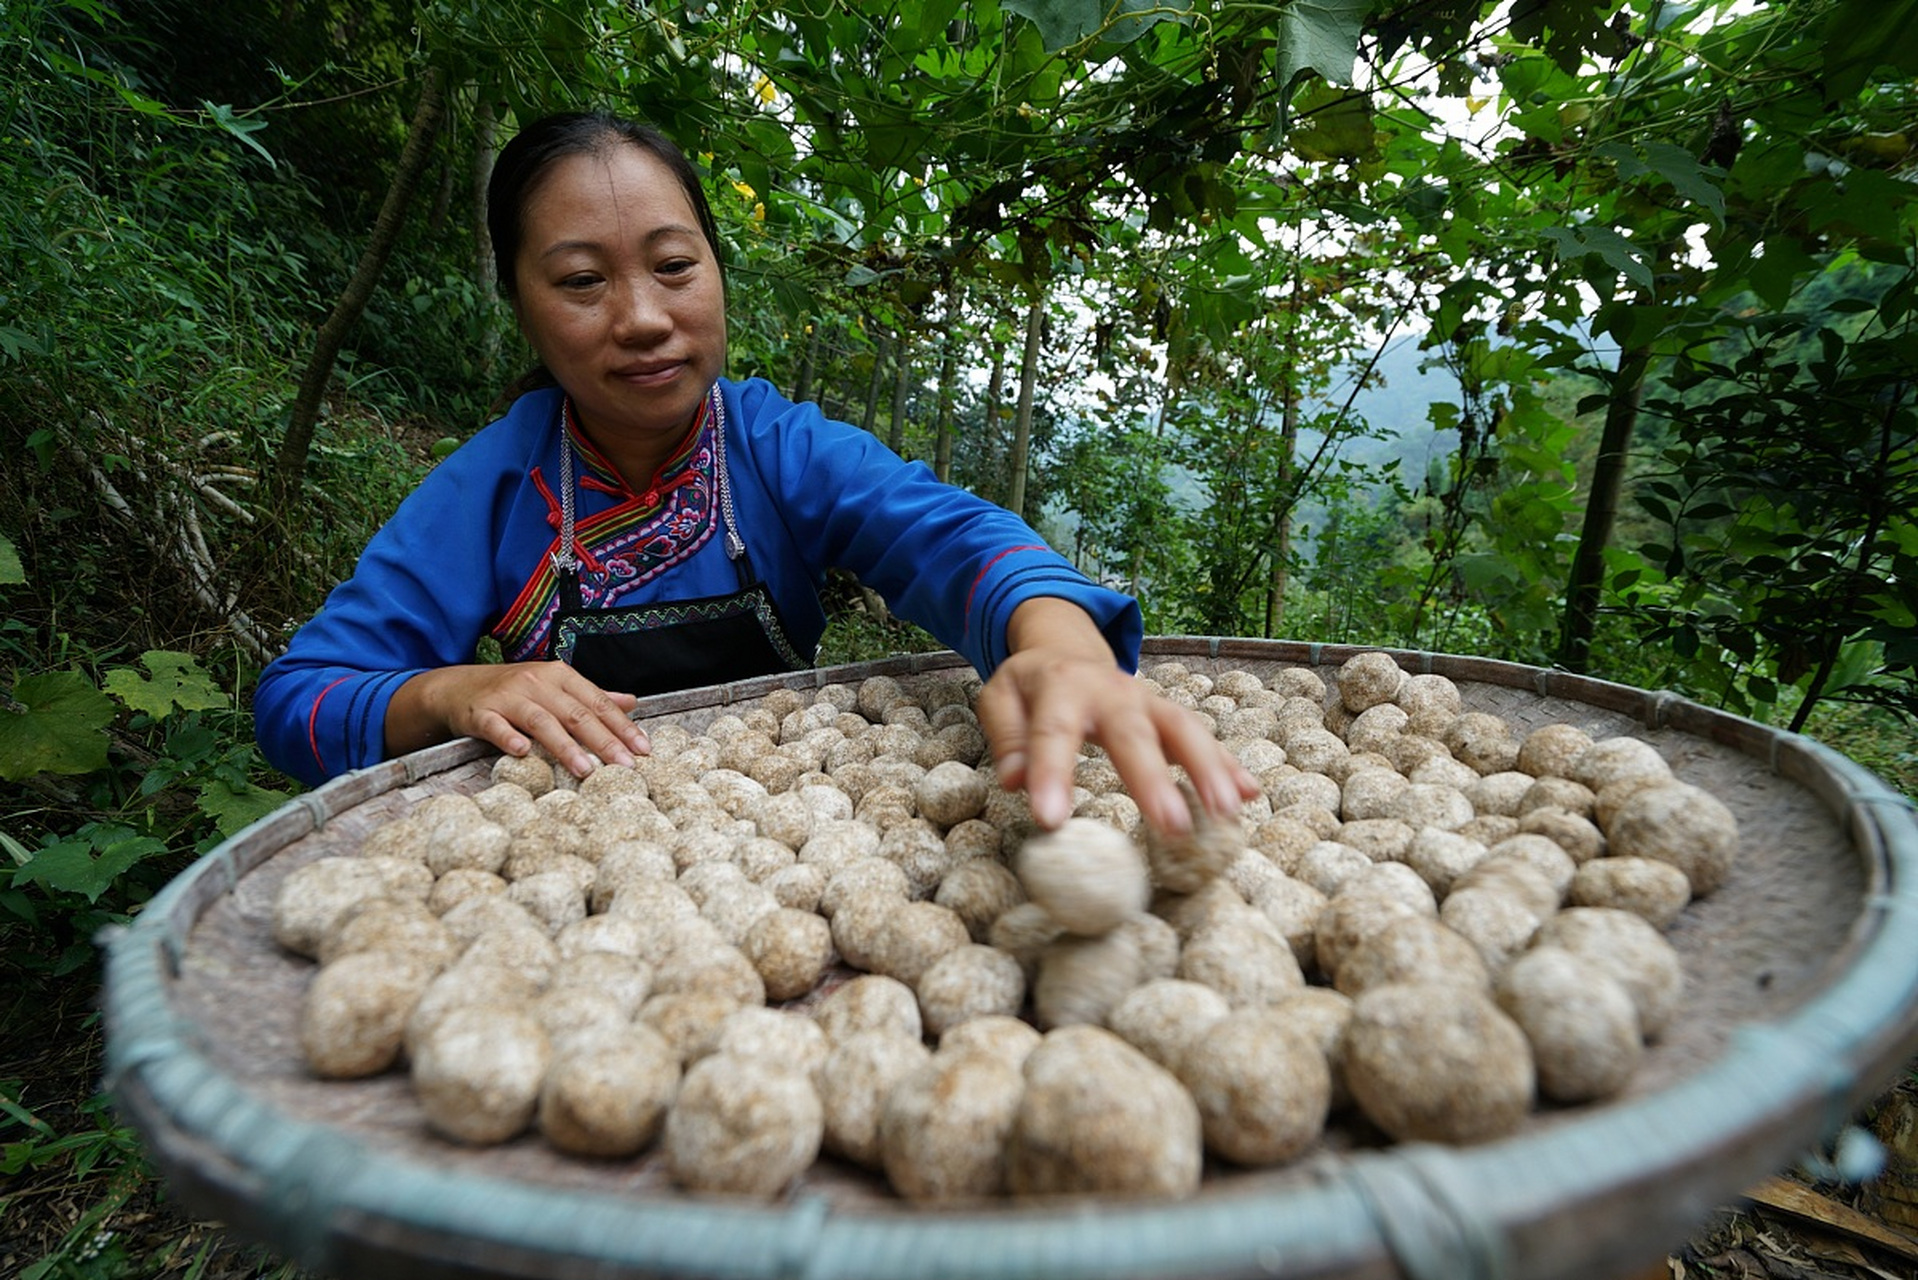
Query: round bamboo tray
1802,1001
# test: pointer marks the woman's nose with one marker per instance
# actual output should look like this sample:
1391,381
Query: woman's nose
638,313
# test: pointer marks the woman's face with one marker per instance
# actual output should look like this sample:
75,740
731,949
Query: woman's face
620,296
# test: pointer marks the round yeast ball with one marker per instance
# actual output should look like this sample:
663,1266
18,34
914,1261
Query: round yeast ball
857,1078
1100,1118
1550,749
1436,1062
1582,1024
871,1002
1683,825
857,919
979,892
1482,741
1185,863
1162,1019
1499,924
1322,1014
456,887
355,1012
793,1041
478,1072
742,1127
790,950
942,1134
627,979
689,1020
610,1098
1086,875
1417,949
1367,680
317,895
970,982
1081,979
399,925
529,772
1657,891
1245,963
1576,834
476,983
950,793
1261,1084
1350,919
911,937
1631,951
1294,908
1613,760
1012,1039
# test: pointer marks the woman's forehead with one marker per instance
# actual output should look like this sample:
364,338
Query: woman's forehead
618,190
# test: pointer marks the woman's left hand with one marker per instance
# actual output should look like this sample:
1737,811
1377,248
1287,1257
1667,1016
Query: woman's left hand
1060,689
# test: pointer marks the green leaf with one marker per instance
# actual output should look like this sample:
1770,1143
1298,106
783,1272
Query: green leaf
1680,168
1617,252
11,570
1063,23
177,680
72,867
240,127
1863,35
234,808
1321,36
60,728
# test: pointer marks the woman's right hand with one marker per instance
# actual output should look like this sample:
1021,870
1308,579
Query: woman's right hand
514,705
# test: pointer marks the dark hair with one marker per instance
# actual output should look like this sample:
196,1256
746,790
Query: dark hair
523,163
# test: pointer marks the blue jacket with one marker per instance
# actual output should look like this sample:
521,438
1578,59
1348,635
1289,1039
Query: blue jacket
466,554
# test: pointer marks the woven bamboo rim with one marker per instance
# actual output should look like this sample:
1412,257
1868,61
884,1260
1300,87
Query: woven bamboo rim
1589,1198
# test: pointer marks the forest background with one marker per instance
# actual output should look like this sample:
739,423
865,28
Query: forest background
1131,269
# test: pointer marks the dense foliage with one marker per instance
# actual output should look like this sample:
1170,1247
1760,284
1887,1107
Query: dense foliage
1125,267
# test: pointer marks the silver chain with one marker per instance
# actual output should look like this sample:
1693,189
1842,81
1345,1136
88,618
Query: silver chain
564,559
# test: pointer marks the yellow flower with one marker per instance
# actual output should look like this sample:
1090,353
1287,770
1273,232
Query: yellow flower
745,192
764,89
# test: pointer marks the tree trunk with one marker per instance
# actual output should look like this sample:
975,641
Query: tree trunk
995,395
948,375
485,270
901,383
1022,422
1282,514
290,466
1583,588
871,418
809,363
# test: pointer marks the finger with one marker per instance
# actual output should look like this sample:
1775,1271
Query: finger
596,720
498,730
1002,718
1056,729
1135,740
1222,782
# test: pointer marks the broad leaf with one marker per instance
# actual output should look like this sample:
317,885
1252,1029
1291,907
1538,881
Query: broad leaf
233,809
1063,23
72,866
177,681
11,570
1321,36
59,727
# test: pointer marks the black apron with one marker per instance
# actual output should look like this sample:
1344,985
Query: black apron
673,644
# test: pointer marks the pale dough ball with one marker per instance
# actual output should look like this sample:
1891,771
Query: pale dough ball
717,968
1541,854
1612,760
1328,864
1162,1019
785,817
1012,1039
911,937
630,863
1375,726
943,1131
1158,944
1184,863
1549,750
1516,878
1432,701
394,925
1312,788
1489,828
1631,951
742,1127
1024,932
862,873
355,1012
1424,804
1482,741
791,951
1410,752
1350,919
837,842
857,919
976,839
1299,682
761,856
1100,1118
870,1002
469,983
969,982
1681,824
1443,771
793,1041
1557,793
1367,680
916,848
799,887
572,1016
616,935
950,793
1443,856
525,947
1086,875
689,1021
316,895
554,898
1262,1086
1314,750
1322,1014
1081,979
1436,1062
857,1078
1572,832
1581,1023
1657,891
627,979
478,1071
1394,880
1245,964
703,880
1188,913
456,887
1294,908
1497,923
610,1098
1380,839
1412,950
1498,793
529,772
979,892
481,846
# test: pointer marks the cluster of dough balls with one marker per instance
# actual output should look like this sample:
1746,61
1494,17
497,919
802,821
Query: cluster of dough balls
1426,917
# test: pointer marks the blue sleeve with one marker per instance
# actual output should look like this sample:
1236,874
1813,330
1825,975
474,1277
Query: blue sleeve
424,592
941,557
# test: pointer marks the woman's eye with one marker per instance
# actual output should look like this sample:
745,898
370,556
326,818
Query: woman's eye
676,266
579,282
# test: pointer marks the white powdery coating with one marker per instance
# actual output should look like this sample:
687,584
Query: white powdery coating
790,950
316,895
950,793
1099,1117
478,1073
858,1076
1086,875
575,1015
1011,1039
1413,950
1549,750
911,937
627,979
618,935
355,1012
943,1131
521,946
743,1127
792,1041
970,982
1245,964
1680,824
1612,760
1582,1024
1367,680
870,1002
717,968
1542,854
1437,1063
1262,1086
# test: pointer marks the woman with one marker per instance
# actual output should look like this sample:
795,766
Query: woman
642,523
